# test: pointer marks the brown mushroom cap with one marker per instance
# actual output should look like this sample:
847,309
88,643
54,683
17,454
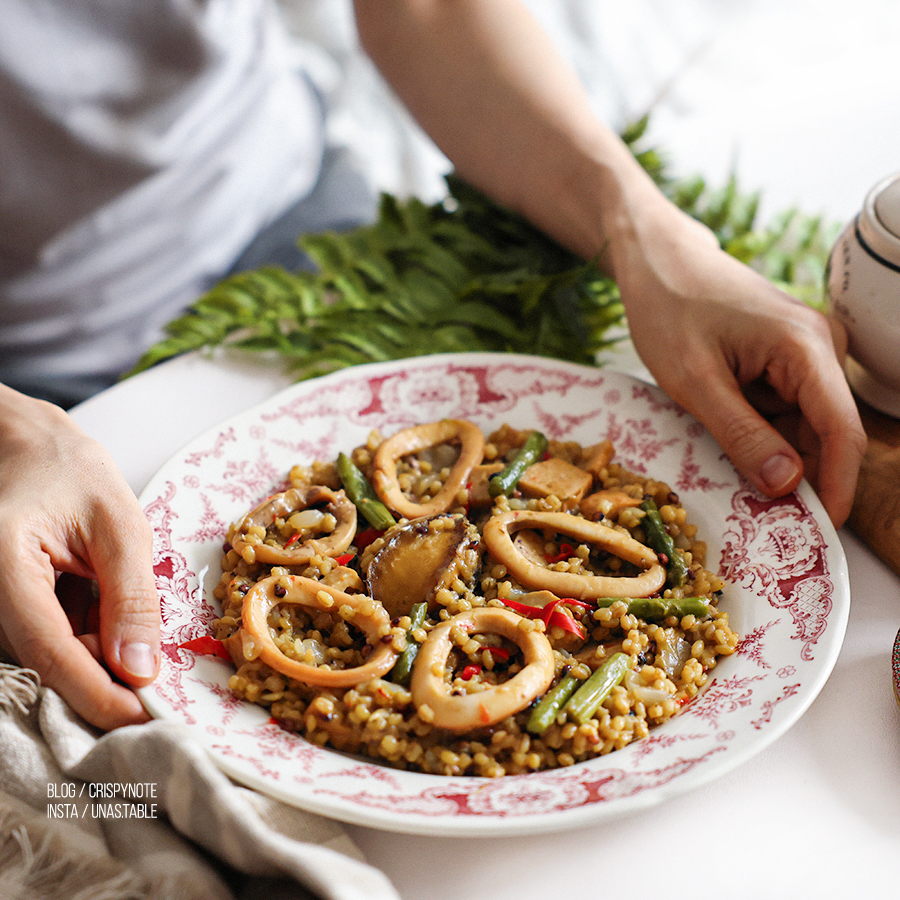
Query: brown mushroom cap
420,557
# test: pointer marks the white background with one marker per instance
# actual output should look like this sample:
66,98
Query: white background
798,97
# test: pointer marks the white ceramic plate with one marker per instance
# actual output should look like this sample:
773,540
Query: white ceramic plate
788,595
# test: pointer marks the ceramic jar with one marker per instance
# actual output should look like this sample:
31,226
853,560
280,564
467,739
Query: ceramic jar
864,292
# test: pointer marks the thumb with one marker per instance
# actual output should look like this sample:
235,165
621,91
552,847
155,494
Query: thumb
122,560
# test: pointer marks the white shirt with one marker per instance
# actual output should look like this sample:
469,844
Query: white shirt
143,143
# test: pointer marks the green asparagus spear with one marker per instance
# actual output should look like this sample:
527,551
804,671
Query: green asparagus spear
590,696
402,670
530,452
661,541
656,608
551,703
362,494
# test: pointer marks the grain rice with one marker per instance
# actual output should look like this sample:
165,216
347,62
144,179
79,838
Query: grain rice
378,718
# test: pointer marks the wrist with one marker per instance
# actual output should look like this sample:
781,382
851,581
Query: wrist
604,205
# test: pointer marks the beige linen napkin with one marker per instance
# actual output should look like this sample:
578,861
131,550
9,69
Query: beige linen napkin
143,812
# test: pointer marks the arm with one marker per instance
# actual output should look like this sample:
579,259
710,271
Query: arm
491,90
65,508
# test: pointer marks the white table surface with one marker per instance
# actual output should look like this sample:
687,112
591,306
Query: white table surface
816,815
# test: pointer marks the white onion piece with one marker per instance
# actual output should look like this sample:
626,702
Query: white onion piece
649,696
306,519
312,652
673,652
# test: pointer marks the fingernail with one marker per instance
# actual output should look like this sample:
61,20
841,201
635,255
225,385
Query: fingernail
138,659
778,472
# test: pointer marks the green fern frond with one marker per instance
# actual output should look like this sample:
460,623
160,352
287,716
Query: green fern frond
466,274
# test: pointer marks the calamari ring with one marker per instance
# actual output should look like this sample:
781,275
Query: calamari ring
259,601
498,538
294,500
477,710
420,437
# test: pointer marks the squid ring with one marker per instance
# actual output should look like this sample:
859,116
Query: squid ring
294,500
260,600
498,537
487,707
420,437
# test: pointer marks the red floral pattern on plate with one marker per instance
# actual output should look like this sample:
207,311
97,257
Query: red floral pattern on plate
775,548
788,595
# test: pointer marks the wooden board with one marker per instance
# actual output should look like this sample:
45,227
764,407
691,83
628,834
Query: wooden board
875,517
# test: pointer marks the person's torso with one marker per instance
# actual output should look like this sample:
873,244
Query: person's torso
142,144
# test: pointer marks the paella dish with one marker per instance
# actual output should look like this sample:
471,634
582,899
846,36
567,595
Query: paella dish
459,603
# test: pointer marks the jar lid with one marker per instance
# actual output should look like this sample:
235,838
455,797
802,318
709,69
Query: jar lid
887,207
879,221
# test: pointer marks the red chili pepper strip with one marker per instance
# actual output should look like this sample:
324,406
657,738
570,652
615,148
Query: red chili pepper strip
292,540
566,551
498,653
549,615
547,611
366,537
470,671
563,620
206,645
344,558
523,609
571,601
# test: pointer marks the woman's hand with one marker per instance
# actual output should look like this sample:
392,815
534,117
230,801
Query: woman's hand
490,88
65,508
761,370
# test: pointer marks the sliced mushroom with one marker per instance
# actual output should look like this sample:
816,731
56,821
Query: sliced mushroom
420,557
537,599
296,500
477,710
532,546
607,503
596,458
498,538
414,440
345,579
